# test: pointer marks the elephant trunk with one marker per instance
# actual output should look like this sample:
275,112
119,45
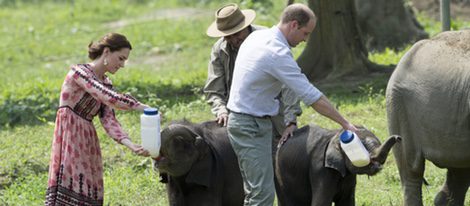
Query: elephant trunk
380,155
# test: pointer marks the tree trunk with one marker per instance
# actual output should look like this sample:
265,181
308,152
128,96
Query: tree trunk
459,9
445,15
334,48
387,23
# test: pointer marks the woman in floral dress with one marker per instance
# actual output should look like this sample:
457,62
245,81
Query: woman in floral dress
75,168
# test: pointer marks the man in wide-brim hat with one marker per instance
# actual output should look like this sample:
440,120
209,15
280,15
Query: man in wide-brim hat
233,25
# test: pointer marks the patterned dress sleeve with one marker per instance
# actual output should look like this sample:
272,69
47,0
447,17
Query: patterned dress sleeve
102,93
111,125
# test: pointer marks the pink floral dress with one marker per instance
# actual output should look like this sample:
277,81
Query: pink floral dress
75,168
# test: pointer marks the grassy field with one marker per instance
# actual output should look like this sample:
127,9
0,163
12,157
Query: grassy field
167,69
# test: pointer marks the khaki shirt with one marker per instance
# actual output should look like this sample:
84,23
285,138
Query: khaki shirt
219,76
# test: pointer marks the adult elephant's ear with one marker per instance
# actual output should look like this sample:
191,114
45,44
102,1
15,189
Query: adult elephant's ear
334,159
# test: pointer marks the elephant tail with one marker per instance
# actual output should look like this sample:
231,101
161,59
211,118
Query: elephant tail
277,170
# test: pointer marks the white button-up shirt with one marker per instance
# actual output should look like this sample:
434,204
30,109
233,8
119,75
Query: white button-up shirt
264,63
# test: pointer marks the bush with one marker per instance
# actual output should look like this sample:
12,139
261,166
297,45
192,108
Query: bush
31,108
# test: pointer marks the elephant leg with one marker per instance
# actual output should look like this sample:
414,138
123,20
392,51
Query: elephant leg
348,192
281,196
174,192
408,157
411,175
322,199
455,188
347,200
324,189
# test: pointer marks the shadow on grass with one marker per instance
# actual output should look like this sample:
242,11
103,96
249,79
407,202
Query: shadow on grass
355,90
39,107
22,168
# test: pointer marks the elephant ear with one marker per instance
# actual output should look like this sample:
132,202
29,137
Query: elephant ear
202,170
334,159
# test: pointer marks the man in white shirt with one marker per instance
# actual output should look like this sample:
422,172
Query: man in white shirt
232,25
264,64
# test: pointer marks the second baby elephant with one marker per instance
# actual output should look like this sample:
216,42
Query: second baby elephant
311,168
200,165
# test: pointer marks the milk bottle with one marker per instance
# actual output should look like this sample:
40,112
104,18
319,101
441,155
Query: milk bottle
150,131
354,149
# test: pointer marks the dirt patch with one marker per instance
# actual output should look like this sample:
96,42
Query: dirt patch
150,59
155,56
458,9
176,13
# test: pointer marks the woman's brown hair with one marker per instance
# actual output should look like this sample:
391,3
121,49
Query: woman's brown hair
113,41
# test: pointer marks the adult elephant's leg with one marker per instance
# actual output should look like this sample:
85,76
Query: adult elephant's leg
455,187
408,157
411,167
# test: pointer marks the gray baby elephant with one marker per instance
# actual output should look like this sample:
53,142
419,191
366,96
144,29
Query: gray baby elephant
199,166
311,169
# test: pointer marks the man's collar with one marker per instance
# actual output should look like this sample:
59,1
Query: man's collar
280,35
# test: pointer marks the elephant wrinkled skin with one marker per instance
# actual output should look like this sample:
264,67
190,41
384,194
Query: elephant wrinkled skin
428,105
312,170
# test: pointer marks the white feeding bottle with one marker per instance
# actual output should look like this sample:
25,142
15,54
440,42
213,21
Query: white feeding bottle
354,149
150,131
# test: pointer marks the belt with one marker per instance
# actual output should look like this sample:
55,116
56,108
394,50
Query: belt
262,117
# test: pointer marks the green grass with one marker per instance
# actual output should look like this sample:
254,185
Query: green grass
167,68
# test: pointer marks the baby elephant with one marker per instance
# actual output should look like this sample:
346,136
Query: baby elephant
199,166
311,169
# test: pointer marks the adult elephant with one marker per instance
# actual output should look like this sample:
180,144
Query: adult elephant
200,165
311,169
428,105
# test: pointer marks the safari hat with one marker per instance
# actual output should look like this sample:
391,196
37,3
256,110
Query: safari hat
229,19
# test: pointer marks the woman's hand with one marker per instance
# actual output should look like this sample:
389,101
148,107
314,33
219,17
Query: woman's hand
139,150
136,149
142,107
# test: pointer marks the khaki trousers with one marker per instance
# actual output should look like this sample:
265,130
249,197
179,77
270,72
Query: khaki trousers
251,139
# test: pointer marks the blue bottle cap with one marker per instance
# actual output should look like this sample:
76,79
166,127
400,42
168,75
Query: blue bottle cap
346,137
151,111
